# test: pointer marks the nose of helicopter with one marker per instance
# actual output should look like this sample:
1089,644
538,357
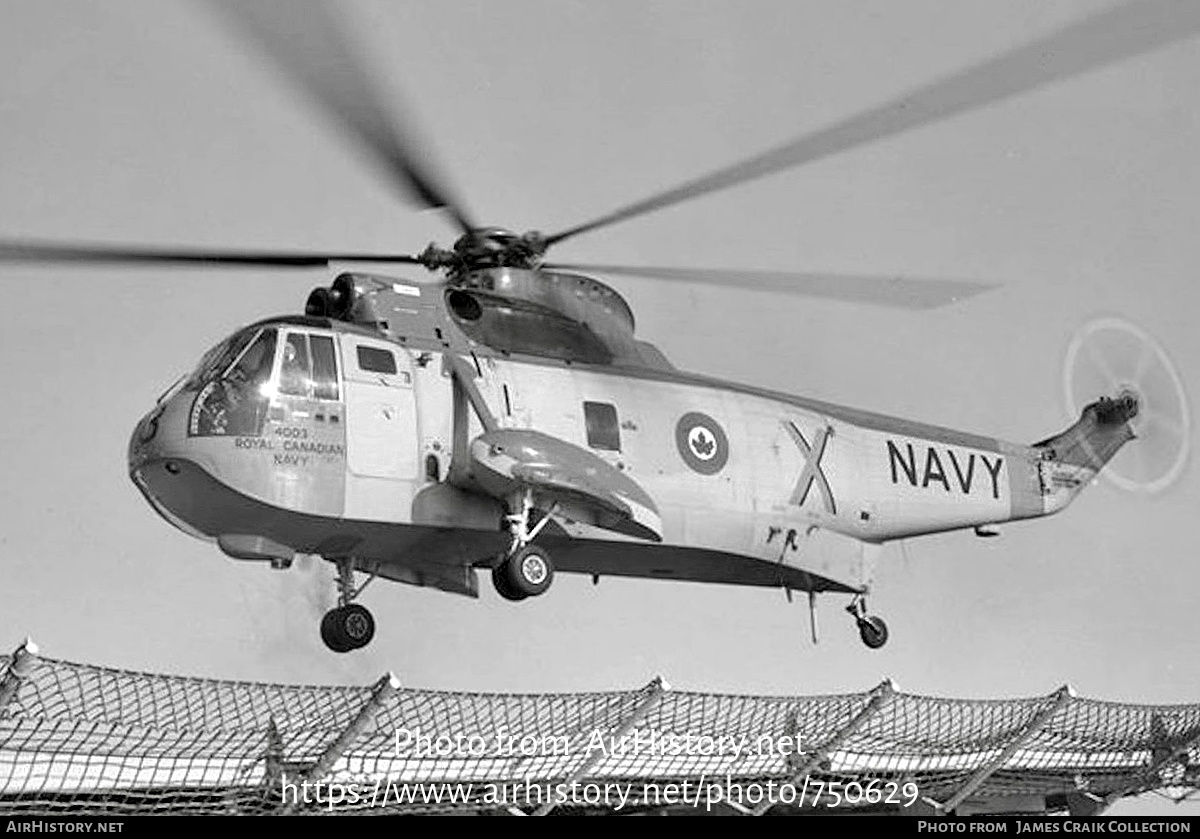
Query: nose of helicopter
158,456
160,434
141,441
157,437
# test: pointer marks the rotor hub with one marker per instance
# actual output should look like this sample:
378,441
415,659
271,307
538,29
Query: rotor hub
1129,402
487,247
1121,408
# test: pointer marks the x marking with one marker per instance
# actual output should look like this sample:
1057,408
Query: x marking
812,467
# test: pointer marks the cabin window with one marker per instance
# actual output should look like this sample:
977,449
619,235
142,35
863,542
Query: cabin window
375,360
307,367
603,432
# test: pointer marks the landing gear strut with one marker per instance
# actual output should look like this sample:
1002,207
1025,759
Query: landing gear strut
871,629
524,570
348,626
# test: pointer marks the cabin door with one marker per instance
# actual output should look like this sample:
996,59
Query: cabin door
381,429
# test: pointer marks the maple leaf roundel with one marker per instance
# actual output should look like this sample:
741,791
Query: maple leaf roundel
702,443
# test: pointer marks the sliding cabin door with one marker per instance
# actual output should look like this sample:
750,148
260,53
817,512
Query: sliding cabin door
382,437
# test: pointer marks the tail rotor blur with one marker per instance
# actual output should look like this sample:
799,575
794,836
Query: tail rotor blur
1114,358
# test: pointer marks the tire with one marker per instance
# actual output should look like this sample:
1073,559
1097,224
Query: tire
529,572
347,628
500,582
330,634
873,631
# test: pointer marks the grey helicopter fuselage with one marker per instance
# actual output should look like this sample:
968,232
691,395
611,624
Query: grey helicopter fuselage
506,417
395,424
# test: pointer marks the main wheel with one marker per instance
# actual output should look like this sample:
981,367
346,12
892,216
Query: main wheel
529,572
330,634
502,585
873,631
347,628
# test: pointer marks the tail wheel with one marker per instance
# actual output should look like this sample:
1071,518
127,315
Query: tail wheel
873,631
1112,357
529,571
347,628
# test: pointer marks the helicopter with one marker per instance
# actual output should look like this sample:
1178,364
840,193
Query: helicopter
505,417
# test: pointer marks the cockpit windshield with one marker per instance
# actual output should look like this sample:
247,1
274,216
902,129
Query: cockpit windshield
233,379
218,359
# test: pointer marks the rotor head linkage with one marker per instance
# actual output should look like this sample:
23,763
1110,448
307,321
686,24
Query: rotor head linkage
486,247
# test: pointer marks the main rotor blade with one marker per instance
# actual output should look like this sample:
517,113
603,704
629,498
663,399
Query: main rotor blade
899,291
29,251
1096,41
305,41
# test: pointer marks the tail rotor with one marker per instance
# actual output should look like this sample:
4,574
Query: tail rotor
1114,358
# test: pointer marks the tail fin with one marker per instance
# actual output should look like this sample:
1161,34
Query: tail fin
1071,459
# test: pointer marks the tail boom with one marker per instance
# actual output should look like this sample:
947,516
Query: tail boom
1069,461
1021,481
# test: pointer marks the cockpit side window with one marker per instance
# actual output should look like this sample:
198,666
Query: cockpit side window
325,381
308,366
295,369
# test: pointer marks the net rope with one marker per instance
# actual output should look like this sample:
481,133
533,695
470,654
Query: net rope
79,738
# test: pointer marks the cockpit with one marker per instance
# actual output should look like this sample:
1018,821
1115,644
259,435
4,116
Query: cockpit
239,380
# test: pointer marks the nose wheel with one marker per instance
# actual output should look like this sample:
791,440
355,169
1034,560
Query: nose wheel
524,570
871,628
348,626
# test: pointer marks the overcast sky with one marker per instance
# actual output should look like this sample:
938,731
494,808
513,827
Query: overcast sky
150,122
